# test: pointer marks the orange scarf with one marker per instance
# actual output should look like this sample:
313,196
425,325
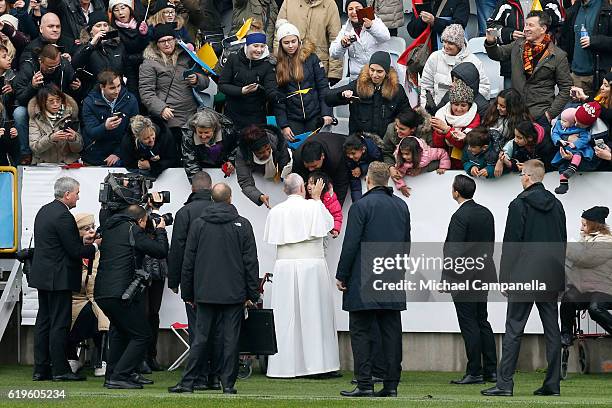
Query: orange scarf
604,101
533,52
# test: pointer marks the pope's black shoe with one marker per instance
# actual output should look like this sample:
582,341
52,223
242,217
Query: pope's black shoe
357,392
230,390
496,392
140,379
179,389
543,392
69,377
121,385
469,379
386,393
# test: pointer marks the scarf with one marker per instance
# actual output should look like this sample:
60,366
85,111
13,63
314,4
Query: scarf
462,121
604,101
132,24
53,118
270,169
533,52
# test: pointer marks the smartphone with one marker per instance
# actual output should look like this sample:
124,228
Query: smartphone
111,34
8,124
189,71
119,114
600,143
2,82
71,124
425,6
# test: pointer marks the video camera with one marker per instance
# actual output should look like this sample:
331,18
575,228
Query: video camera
119,190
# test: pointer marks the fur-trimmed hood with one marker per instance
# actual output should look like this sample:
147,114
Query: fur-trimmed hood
71,108
306,49
365,86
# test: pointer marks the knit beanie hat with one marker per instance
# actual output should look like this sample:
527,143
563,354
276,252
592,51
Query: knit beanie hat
460,92
83,219
96,17
162,4
569,115
113,3
12,20
284,28
381,58
364,3
164,30
607,77
588,113
454,34
596,214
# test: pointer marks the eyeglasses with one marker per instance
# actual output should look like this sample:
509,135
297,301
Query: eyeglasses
169,13
167,42
525,174
88,227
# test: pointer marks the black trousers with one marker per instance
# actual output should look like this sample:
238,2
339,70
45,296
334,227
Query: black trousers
211,361
51,331
360,327
299,127
229,320
85,327
153,303
598,307
128,337
516,318
478,338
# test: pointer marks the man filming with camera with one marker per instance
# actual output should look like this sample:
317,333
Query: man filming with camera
119,288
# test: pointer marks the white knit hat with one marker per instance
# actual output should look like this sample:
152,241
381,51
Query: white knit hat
12,20
285,28
113,3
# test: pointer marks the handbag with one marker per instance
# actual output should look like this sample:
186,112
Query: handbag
258,335
418,55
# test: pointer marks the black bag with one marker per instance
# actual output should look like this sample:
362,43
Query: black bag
258,335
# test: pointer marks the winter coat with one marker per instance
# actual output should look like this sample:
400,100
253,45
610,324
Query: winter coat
333,164
223,235
330,201
457,12
86,294
22,84
368,42
246,166
72,18
436,78
162,85
318,22
107,54
98,142
183,220
484,160
589,263
428,154
119,259
379,216
265,11
240,71
373,144
27,26
135,44
44,150
197,156
391,12
303,107
582,144
446,140
468,73
539,89
391,139
600,40
376,106
132,150
535,240
544,151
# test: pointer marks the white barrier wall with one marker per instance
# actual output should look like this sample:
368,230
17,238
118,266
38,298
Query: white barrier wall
431,207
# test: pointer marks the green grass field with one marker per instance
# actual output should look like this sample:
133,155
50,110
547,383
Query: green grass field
427,389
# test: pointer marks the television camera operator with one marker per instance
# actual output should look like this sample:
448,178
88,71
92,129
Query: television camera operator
119,288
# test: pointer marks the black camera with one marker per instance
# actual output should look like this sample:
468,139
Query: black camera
141,281
155,218
164,195
119,190
25,256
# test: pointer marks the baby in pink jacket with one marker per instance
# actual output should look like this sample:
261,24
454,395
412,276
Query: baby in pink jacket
329,199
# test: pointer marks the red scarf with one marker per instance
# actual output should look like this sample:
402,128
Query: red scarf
533,52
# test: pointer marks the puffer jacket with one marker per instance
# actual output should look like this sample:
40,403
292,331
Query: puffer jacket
428,154
377,106
319,22
162,85
368,42
539,89
265,11
303,107
86,295
391,12
588,263
44,150
436,78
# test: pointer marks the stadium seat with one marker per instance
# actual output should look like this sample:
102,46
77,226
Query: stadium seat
491,68
176,327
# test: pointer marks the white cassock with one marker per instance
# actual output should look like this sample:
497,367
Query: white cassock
304,313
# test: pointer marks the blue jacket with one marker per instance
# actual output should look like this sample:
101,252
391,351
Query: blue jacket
373,153
99,143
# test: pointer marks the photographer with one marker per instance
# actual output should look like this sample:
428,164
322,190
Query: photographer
121,256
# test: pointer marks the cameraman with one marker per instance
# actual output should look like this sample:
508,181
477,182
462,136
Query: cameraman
121,254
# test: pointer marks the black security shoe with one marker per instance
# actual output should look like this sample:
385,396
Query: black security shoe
69,377
121,385
144,368
179,389
469,379
41,377
492,378
543,392
140,379
357,392
230,390
386,393
496,392
154,365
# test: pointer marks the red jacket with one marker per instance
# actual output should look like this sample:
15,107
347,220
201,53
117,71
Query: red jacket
330,201
447,142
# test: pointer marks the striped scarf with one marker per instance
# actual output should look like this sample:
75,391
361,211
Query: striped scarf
533,52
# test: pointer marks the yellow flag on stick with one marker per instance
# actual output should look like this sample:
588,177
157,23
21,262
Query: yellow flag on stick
207,54
244,29
536,6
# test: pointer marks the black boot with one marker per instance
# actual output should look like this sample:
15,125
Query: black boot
563,187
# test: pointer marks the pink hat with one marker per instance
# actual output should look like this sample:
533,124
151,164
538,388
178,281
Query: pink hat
569,115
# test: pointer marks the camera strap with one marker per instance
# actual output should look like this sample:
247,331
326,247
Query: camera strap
133,245
112,182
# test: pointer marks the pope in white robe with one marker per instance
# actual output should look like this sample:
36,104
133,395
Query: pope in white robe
304,313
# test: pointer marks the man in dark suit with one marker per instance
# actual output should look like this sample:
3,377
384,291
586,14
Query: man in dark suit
56,273
534,250
378,217
471,235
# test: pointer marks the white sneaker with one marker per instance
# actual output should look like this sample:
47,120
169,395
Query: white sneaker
100,371
75,365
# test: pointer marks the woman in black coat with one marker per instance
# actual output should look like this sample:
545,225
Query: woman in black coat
302,85
148,148
375,97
